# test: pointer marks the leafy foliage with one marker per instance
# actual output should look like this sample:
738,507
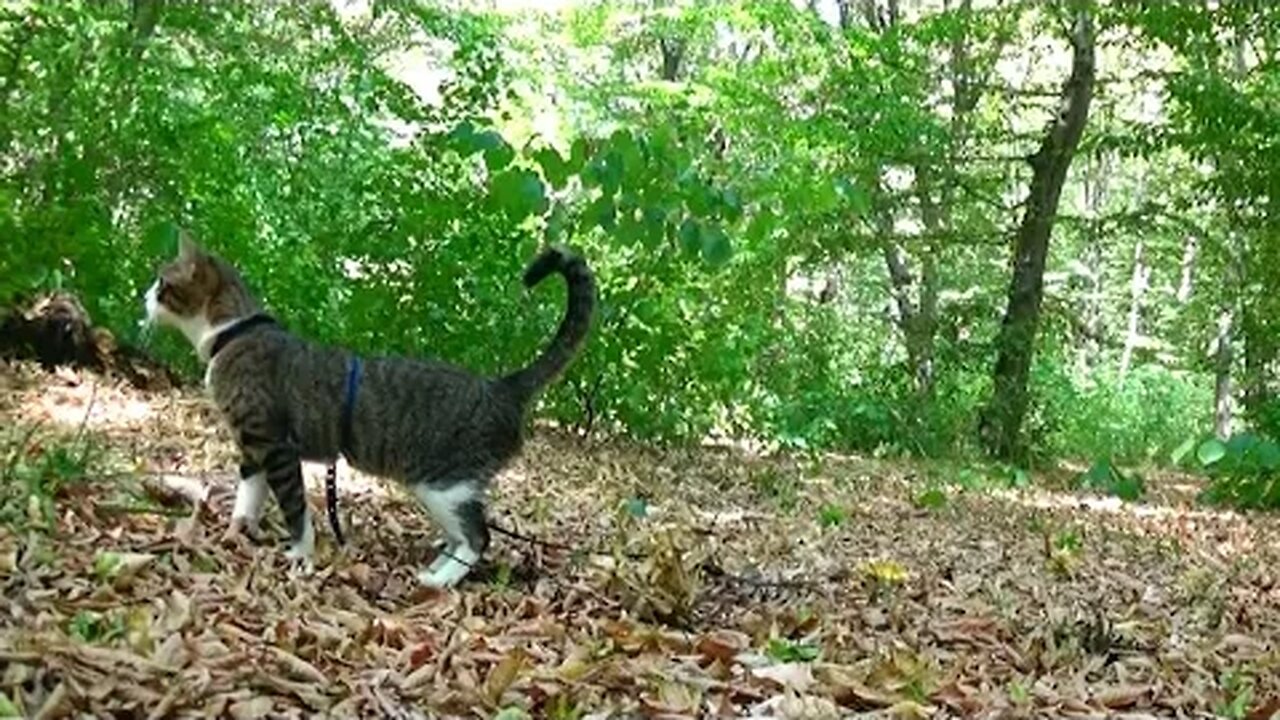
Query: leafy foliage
1244,471
797,219
35,468
1108,478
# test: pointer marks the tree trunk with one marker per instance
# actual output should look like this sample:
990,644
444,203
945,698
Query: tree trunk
1259,353
1186,282
1224,350
672,57
1095,188
1223,359
916,295
1001,423
1137,289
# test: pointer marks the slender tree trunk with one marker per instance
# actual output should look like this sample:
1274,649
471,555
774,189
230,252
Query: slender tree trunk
672,58
144,14
1259,352
1223,359
1186,281
1138,283
1001,423
1091,318
1233,290
1095,200
916,293
922,329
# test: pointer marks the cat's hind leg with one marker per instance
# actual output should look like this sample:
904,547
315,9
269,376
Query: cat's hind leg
457,506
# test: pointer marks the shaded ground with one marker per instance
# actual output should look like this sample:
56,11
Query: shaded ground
703,583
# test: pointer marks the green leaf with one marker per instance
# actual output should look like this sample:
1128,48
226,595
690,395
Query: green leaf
161,239
611,169
7,708
824,197
498,157
690,235
487,141
732,205
854,196
760,226
700,198
1098,475
519,193
1269,456
1183,451
636,507
462,138
784,650
553,167
716,248
832,515
630,230
557,224
107,564
626,156
1211,451
1128,486
579,153
602,213
931,499
655,226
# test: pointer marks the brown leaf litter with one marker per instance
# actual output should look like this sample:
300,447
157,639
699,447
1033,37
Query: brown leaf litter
722,593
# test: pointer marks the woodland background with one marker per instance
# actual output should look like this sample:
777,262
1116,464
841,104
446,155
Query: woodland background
935,371
1032,230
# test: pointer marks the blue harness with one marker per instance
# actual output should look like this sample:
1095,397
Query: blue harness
345,440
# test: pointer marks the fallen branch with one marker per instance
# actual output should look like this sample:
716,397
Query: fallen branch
172,490
121,509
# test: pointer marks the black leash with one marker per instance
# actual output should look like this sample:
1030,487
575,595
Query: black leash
345,440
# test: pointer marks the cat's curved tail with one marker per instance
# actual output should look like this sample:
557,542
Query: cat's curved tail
573,327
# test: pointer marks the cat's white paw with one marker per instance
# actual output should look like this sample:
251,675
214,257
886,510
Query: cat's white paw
301,554
241,528
440,580
301,567
449,569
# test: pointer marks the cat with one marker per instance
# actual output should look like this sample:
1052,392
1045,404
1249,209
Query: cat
442,430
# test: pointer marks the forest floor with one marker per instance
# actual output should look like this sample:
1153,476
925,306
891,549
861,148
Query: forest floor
701,583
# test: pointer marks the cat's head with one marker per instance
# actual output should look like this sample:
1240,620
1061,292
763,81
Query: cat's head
196,292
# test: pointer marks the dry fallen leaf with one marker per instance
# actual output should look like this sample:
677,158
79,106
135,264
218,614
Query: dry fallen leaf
254,709
794,676
722,645
685,613
1122,696
503,674
910,710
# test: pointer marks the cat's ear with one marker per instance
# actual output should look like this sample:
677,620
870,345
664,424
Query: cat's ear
187,248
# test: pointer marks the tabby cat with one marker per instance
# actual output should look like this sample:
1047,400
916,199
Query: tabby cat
440,429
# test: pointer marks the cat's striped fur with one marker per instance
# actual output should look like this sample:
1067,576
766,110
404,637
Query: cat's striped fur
441,429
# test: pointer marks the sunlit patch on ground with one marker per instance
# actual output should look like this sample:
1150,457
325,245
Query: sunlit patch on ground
679,583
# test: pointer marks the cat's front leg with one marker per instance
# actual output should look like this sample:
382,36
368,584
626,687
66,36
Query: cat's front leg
272,462
251,494
283,467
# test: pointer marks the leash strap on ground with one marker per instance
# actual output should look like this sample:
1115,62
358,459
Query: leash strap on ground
331,502
345,440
